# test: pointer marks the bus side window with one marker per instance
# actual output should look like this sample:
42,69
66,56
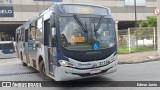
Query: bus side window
29,35
33,31
39,31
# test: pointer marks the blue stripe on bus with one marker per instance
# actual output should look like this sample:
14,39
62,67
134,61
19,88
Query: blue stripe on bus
8,51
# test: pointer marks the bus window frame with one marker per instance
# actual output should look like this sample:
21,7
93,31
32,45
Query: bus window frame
38,29
53,25
32,27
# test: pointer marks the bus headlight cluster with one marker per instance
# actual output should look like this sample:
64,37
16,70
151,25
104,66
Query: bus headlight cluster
113,59
66,63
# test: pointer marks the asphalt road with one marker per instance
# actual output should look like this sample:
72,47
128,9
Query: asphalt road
12,70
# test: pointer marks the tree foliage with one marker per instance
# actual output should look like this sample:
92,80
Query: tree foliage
150,22
147,32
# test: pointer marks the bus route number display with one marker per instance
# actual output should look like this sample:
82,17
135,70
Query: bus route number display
78,39
86,11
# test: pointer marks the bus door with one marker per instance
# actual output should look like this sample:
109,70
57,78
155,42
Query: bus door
52,54
26,50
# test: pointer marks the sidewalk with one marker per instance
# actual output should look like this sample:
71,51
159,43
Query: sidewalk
139,57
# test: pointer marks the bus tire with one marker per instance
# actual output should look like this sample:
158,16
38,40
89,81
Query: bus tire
42,71
23,63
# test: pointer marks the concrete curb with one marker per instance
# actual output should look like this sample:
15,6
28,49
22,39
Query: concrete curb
136,62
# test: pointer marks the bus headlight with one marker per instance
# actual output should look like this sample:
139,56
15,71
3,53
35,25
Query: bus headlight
66,63
113,59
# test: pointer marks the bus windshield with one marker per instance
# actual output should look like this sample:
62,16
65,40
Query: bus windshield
6,46
86,33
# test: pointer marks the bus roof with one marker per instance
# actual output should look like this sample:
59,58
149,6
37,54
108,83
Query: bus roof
64,3
58,8
63,10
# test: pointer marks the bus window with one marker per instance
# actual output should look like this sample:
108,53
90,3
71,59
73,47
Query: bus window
33,32
26,35
47,31
39,29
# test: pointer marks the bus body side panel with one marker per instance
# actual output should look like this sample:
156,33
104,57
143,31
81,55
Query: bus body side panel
17,42
45,55
21,50
40,53
32,52
24,52
17,50
27,53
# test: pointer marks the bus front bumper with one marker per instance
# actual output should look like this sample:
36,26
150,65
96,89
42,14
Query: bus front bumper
67,73
12,55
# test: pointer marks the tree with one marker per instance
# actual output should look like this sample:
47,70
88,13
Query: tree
146,33
142,33
150,22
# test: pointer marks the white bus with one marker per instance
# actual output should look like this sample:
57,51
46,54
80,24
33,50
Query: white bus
69,41
7,49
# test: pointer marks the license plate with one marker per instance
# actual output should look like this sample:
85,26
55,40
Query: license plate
95,71
103,63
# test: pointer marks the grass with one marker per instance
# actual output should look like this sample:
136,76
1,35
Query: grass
123,50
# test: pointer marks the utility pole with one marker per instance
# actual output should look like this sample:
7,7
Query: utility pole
135,12
135,9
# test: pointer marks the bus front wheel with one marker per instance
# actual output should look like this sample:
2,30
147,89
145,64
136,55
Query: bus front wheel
42,71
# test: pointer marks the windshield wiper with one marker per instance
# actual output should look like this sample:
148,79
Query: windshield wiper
98,26
99,23
84,28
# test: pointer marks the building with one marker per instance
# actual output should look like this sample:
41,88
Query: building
13,13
